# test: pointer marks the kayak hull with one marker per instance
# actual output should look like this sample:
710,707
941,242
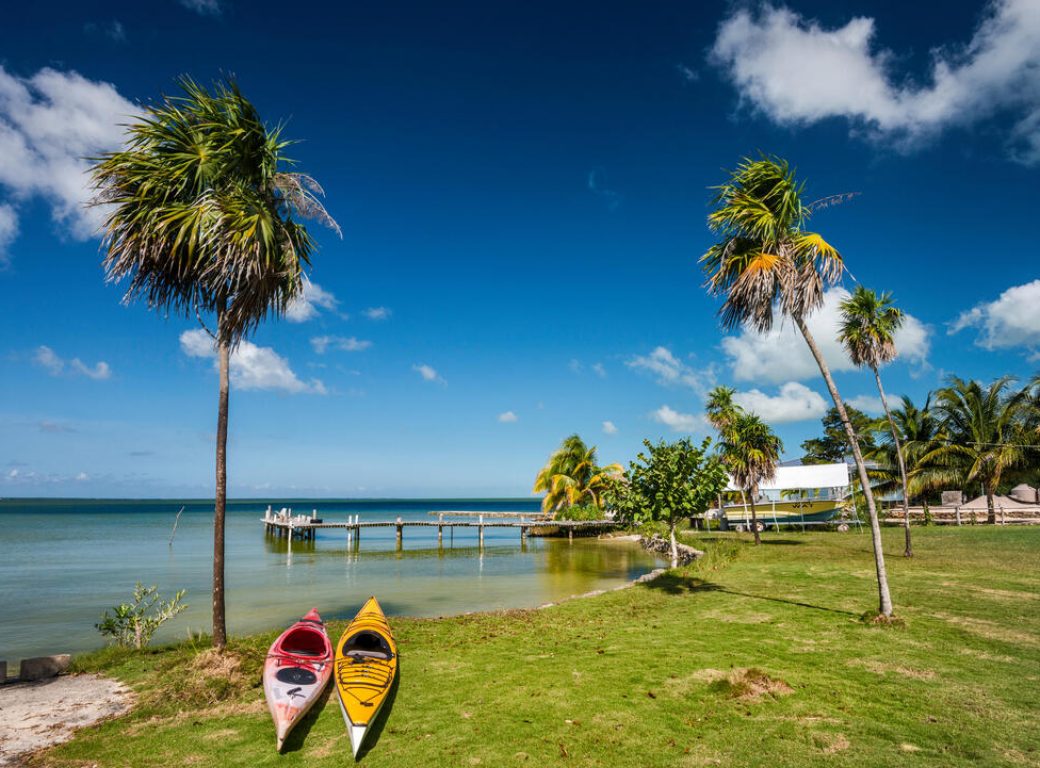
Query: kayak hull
297,669
365,670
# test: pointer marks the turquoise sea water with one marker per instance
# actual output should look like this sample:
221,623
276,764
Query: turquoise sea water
64,562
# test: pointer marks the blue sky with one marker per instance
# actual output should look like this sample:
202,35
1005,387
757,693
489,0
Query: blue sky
522,189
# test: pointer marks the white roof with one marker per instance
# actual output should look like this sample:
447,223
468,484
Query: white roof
805,476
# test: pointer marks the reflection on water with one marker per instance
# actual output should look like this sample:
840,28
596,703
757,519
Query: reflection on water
65,563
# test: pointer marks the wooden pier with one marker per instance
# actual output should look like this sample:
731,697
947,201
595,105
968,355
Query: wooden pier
285,524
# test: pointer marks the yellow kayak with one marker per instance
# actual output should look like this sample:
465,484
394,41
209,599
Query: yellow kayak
365,668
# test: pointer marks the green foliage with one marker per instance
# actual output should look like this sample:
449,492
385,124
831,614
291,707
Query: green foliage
571,477
132,624
834,446
868,326
578,512
202,213
671,481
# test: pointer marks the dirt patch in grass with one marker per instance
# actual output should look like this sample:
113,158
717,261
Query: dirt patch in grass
831,743
750,685
881,668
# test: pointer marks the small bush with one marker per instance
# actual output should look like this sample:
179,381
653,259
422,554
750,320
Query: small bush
132,625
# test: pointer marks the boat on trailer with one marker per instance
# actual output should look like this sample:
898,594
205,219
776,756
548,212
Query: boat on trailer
296,671
805,494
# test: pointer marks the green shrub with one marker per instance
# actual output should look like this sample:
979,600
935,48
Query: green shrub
132,625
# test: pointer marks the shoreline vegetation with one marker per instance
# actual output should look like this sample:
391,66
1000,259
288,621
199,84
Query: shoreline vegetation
750,655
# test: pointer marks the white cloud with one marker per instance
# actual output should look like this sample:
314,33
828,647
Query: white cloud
427,372
609,428
867,403
793,402
670,371
377,313
50,123
305,306
8,231
797,72
46,358
782,354
204,7
82,477
677,422
321,344
99,372
251,367
508,417
1012,320
599,370
49,360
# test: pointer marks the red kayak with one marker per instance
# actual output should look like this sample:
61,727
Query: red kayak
297,669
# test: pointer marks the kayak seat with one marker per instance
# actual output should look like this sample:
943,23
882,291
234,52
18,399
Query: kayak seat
367,645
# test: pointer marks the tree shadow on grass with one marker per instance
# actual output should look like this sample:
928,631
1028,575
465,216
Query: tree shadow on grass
296,737
677,584
376,729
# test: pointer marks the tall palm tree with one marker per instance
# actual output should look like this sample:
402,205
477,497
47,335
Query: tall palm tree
202,217
766,261
751,452
571,476
985,431
868,326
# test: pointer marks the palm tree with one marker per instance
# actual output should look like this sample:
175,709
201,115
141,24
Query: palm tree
985,428
720,408
751,452
202,217
766,261
919,433
571,476
868,326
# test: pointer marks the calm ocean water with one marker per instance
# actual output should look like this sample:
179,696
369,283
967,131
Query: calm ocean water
65,561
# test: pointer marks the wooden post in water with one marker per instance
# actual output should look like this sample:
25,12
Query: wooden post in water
400,534
481,530
570,534
440,530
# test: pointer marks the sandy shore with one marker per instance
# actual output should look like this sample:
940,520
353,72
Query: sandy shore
40,714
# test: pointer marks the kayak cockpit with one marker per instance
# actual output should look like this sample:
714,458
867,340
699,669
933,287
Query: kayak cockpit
367,645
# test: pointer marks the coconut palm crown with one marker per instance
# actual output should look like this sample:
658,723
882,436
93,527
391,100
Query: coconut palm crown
572,476
201,213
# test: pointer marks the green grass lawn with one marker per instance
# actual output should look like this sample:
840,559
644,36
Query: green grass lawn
750,657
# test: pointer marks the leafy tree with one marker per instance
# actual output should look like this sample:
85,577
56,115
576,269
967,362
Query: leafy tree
751,452
571,477
203,217
833,447
671,481
868,326
132,625
766,261
985,429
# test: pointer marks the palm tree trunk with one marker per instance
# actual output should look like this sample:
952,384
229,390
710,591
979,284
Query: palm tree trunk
754,518
991,509
219,626
884,597
909,551
675,545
